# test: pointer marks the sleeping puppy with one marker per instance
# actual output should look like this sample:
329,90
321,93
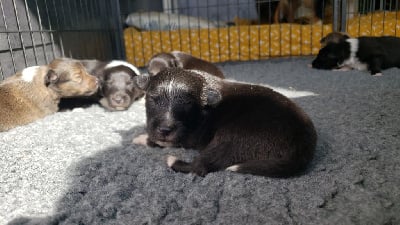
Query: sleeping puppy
36,91
117,90
302,11
333,37
363,53
238,127
181,60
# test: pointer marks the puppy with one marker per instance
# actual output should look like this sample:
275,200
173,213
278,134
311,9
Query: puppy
238,127
35,92
181,60
304,12
333,37
363,53
117,90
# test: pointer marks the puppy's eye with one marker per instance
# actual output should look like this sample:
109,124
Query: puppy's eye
157,100
129,82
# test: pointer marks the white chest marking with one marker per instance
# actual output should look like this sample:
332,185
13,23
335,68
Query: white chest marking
29,73
353,61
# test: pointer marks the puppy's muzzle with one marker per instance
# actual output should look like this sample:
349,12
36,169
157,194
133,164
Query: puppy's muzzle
164,130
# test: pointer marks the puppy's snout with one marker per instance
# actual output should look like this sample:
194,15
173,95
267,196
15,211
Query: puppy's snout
164,130
120,98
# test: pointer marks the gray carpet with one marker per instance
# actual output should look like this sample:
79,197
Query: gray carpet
79,167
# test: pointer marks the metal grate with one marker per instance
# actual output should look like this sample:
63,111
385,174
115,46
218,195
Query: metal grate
215,18
33,32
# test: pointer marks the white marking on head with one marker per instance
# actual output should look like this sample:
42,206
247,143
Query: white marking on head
233,168
171,160
116,63
29,73
353,61
170,87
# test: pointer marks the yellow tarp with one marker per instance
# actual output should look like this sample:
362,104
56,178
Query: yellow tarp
250,42
231,43
375,24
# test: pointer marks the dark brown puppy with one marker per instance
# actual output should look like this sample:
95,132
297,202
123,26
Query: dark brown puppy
117,90
35,92
333,37
239,127
181,60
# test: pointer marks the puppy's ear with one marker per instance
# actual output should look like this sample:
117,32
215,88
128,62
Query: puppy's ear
322,40
211,97
142,81
51,78
344,37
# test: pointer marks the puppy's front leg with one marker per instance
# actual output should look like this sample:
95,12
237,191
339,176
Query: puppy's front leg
144,140
141,140
197,166
375,66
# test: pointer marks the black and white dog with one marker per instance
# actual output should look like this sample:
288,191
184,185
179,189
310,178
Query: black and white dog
239,127
363,53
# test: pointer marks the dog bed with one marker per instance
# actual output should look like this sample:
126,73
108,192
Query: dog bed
79,167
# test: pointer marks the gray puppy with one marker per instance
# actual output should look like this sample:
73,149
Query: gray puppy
238,127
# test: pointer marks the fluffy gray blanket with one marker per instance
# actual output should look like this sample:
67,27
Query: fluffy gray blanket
79,167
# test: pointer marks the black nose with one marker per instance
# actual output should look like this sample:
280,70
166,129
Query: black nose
164,130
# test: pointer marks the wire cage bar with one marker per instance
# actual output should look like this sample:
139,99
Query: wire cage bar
36,31
33,32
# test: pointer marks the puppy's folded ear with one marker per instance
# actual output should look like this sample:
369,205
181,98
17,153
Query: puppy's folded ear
344,37
51,78
142,81
211,97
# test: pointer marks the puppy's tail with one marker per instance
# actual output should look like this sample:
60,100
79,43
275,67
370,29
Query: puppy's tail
269,168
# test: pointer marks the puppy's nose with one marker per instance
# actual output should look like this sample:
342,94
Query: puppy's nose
164,130
119,98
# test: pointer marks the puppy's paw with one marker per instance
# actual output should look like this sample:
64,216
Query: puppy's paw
377,74
343,68
233,168
140,140
171,160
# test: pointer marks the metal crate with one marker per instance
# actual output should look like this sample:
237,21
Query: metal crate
36,31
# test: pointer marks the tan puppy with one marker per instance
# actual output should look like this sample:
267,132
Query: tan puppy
303,11
36,91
